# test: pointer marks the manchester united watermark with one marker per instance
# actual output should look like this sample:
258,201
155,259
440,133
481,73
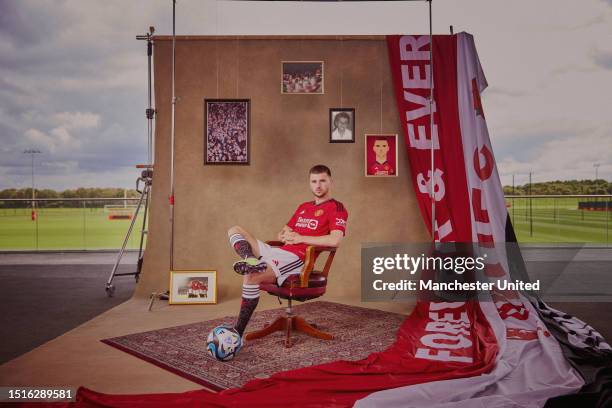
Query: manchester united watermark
464,271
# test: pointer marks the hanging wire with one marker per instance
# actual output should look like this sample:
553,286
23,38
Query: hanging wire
342,72
380,75
237,67
431,128
217,64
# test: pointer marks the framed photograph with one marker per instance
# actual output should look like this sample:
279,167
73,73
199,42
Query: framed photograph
381,155
193,287
302,77
342,125
226,131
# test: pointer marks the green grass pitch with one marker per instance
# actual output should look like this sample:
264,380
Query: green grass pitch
64,228
558,220
553,221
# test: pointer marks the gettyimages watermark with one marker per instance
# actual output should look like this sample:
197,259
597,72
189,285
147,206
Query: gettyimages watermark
473,271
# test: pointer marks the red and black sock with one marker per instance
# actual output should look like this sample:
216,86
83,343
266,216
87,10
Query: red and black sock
241,246
250,299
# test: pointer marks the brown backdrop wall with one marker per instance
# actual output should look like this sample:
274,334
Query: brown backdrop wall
289,134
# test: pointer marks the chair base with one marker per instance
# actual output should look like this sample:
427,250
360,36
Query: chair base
289,323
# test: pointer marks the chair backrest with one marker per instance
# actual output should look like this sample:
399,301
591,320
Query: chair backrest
312,253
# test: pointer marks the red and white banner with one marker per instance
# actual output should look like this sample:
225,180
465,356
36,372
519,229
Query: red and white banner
469,206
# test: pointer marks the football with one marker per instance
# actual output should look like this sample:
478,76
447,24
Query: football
223,343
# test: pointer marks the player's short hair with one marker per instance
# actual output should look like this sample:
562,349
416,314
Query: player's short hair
341,115
320,169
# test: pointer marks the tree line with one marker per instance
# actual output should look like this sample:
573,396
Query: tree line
81,192
568,187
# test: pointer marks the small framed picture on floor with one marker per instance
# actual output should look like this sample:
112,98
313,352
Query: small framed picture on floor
193,287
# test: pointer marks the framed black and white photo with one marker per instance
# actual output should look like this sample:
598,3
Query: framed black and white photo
226,131
302,77
342,125
193,287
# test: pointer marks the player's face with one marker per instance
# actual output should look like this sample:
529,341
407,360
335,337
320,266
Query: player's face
381,147
320,184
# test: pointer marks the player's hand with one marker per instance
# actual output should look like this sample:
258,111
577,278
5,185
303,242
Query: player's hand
293,238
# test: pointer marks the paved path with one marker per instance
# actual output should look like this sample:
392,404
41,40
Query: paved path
46,295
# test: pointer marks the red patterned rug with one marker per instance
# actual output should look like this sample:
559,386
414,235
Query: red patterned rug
182,349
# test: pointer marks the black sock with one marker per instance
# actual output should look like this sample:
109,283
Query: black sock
241,246
250,299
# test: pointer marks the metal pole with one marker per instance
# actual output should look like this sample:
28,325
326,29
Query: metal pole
530,209
34,218
431,127
34,215
150,114
513,193
172,125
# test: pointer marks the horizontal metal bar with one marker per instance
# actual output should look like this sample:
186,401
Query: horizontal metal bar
561,196
71,199
137,198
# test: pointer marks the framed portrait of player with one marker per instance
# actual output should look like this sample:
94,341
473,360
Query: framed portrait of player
302,77
193,287
381,155
342,125
227,131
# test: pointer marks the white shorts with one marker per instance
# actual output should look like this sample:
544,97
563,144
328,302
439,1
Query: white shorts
283,263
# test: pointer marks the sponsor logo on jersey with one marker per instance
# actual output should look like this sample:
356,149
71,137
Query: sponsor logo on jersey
319,213
307,223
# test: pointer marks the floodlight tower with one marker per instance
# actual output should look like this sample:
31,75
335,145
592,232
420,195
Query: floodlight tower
596,165
32,152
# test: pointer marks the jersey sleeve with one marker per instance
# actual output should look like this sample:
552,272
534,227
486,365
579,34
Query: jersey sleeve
338,219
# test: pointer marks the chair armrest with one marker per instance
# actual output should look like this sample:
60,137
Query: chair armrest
312,251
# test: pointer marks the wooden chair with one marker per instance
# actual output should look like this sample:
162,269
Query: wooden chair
309,284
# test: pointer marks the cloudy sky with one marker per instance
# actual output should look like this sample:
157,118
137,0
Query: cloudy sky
73,77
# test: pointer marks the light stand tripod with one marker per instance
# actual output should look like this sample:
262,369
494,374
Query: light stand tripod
147,179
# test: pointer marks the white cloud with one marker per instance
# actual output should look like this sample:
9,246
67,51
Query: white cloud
563,158
73,78
38,138
77,120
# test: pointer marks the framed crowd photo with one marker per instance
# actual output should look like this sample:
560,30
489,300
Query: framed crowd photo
193,287
342,125
381,155
302,77
227,131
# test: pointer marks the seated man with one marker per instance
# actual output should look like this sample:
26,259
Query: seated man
321,222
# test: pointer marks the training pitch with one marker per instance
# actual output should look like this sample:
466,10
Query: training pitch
548,221
64,228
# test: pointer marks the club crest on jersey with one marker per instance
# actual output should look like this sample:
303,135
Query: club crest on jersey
307,223
319,213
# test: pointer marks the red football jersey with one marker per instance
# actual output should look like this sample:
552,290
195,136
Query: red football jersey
381,169
316,220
